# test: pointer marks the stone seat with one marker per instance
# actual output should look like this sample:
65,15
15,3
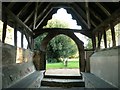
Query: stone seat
32,80
92,81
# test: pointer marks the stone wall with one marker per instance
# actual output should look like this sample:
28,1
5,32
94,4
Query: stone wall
16,64
104,64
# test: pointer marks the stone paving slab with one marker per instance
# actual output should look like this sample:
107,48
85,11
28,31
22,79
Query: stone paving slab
69,72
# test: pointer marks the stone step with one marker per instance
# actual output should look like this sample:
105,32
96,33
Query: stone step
62,82
63,77
62,88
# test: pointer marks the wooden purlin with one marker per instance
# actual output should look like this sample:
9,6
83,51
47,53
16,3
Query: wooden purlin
95,15
24,9
84,24
35,15
11,5
43,13
87,14
103,9
26,20
113,17
17,20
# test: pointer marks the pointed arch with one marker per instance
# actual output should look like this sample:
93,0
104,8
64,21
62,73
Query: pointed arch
79,43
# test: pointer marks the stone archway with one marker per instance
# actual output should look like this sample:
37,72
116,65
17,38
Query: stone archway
79,43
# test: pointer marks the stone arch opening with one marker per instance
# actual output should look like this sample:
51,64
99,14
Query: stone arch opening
51,35
66,60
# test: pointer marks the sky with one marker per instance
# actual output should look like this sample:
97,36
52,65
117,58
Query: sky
63,15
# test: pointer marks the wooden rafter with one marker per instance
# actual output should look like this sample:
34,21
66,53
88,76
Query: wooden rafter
95,15
11,5
35,15
113,17
84,24
24,9
87,14
80,14
26,20
16,19
80,11
103,9
28,17
93,23
43,18
41,14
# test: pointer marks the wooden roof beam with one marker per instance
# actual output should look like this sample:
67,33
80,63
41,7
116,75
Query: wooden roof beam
103,9
39,31
87,14
32,13
93,23
17,20
41,14
23,10
80,11
11,5
112,18
84,24
35,15
95,15
43,18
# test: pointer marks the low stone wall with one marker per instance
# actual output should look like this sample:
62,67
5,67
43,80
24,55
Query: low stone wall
104,64
16,64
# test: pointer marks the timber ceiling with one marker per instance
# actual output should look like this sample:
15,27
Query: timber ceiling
91,16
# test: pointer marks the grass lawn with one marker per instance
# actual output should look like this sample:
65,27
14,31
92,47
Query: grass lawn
71,65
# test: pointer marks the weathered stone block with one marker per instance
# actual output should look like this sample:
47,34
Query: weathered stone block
104,64
8,54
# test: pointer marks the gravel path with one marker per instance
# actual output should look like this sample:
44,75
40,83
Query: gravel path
62,72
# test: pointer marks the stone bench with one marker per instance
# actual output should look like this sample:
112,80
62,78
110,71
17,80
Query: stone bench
31,81
16,74
92,81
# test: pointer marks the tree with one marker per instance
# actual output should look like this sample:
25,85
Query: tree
38,41
60,46
55,23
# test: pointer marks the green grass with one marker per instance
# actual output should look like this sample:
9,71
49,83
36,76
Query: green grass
71,65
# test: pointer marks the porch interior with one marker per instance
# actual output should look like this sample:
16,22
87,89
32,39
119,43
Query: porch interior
98,67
